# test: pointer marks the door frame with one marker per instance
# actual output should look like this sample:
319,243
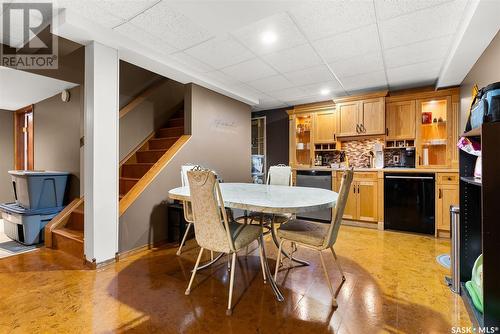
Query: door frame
20,156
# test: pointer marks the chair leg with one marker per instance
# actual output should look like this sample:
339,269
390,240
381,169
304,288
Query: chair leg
231,283
337,263
334,301
188,290
261,256
278,259
184,238
211,255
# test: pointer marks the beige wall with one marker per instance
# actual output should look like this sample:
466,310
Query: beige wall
485,71
6,155
57,132
220,140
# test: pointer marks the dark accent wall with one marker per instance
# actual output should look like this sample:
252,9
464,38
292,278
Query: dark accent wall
276,136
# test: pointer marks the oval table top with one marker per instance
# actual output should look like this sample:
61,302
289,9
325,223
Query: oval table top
268,198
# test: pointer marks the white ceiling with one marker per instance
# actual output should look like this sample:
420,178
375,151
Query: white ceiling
341,47
19,89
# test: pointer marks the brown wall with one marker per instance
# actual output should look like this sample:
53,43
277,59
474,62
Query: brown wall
486,70
220,140
6,154
57,132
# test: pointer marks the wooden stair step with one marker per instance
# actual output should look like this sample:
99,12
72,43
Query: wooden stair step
69,241
175,131
76,220
149,156
136,170
177,121
126,183
162,143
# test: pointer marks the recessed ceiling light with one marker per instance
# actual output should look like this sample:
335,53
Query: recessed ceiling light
324,91
269,37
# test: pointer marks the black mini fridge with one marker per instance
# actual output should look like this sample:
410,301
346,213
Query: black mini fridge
409,202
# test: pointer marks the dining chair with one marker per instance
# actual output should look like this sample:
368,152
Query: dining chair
318,236
186,206
213,230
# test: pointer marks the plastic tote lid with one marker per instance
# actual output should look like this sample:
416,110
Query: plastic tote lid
37,173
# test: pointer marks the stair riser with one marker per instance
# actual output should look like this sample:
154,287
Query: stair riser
149,156
76,221
170,132
67,245
175,122
160,144
126,185
135,171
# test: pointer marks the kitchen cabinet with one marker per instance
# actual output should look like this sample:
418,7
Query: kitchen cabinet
324,126
400,120
447,194
301,146
361,115
362,202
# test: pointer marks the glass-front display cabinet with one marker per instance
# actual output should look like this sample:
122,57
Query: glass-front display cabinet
301,148
259,150
433,132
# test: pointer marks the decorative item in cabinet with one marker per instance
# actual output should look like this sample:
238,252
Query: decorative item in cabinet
399,143
433,133
301,139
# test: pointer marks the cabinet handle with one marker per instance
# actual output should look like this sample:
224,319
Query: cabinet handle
386,131
354,189
419,160
440,194
357,128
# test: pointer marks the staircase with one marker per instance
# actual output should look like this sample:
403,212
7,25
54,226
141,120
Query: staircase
65,232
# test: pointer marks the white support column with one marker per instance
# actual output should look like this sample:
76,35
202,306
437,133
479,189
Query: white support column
101,152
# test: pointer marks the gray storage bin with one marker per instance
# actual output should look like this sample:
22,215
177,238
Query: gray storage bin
28,230
39,189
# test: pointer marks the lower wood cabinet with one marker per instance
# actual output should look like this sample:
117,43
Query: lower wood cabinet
362,202
447,192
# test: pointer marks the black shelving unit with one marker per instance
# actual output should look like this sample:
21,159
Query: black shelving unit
480,223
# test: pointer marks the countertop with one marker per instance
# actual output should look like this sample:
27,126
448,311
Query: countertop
386,170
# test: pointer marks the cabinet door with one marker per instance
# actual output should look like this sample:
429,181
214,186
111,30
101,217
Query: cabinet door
447,195
400,120
292,140
372,116
367,206
348,118
324,127
350,211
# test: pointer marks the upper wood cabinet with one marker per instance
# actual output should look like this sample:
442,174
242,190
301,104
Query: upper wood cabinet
324,126
400,120
361,115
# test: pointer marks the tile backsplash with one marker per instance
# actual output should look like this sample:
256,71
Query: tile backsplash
357,151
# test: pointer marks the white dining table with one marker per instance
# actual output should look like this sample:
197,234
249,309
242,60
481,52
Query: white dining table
270,199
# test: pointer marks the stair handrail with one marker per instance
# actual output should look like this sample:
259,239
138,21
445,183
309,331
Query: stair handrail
61,220
143,95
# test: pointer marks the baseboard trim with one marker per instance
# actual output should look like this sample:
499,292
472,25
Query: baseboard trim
122,255
359,224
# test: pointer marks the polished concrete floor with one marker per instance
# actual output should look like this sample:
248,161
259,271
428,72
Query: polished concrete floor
394,285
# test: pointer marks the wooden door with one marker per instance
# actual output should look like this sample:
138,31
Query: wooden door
367,205
324,126
447,195
400,120
348,118
23,138
372,116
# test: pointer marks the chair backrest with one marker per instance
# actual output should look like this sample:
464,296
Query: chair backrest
184,169
280,175
212,227
188,210
338,211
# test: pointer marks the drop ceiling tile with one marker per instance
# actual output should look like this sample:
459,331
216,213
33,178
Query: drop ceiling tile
390,8
314,99
276,82
346,45
220,52
168,23
287,34
310,75
125,9
315,89
319,19
419,52
190,62
426,71
371,62
249,70
293,59
142,37
365,81
421,25
221,78
268,103
90,11
287,94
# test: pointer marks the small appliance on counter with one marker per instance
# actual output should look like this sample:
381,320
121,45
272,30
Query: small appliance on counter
400,157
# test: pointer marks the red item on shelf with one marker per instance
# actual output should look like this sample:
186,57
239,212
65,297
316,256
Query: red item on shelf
426,117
